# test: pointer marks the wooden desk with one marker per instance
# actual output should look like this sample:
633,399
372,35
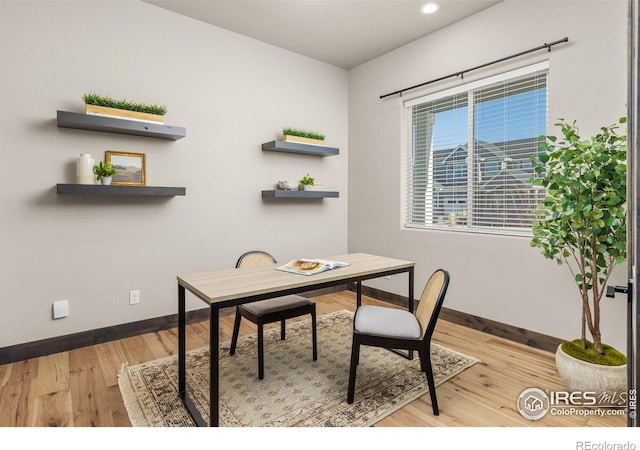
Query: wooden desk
224,288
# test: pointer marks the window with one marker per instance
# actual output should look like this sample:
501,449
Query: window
469,154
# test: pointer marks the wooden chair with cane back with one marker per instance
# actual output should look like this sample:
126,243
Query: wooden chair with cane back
272,310
397,329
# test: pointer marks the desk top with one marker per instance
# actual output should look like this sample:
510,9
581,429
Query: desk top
229,284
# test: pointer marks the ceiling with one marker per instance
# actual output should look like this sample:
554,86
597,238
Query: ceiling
344,33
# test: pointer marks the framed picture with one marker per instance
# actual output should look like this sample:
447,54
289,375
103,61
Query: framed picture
130,166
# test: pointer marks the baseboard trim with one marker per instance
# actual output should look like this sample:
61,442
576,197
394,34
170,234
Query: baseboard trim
515,334
36,349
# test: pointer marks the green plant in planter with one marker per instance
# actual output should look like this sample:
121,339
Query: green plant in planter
302,133
100,100
307,180
582,221
103,170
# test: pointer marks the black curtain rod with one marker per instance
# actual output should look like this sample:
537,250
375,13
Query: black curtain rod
461,73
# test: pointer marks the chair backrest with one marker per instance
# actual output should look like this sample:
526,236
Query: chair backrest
431,301
255,258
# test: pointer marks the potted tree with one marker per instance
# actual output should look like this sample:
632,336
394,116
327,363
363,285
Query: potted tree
582,224
103,172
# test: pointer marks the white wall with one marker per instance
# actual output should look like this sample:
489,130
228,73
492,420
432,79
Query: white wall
230,92
495,277
233,93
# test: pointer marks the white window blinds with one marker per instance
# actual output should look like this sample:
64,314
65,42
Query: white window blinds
470,154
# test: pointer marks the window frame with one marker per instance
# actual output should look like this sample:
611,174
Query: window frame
407,146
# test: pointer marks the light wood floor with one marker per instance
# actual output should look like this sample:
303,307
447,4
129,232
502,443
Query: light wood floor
79,388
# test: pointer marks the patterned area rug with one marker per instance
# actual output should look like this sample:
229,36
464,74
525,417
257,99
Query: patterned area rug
296,391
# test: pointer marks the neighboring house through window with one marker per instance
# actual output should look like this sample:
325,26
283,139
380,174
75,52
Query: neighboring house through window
469,153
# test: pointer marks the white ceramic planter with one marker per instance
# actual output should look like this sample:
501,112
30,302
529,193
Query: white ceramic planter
582,376
106,181
84,169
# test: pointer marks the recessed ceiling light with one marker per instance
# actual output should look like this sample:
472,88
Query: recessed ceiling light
429,8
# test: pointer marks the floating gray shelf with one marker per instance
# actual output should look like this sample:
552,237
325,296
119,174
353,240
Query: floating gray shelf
97,189
281,193
90,122
296,147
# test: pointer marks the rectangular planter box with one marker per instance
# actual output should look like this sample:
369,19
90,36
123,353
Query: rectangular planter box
123,114
302,140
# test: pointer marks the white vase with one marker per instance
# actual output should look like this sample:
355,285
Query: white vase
106,181
84,169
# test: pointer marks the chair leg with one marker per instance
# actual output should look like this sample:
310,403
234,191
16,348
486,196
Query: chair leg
260,351
314,333
430,381
236,330
282,330
423,367
355,355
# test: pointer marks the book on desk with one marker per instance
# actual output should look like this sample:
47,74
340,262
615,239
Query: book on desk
311,266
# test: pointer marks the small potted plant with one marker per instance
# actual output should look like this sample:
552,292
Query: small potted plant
103,172
307,183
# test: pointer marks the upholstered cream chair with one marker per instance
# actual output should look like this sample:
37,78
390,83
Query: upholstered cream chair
399,329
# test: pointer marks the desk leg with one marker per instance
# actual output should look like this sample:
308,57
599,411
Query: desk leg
214,366
411,287
182,365
358,294
410,300
182,359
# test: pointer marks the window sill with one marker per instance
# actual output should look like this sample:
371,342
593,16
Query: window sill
527,233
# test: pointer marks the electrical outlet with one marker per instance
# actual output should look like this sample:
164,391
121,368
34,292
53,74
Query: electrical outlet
134,297
60,309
